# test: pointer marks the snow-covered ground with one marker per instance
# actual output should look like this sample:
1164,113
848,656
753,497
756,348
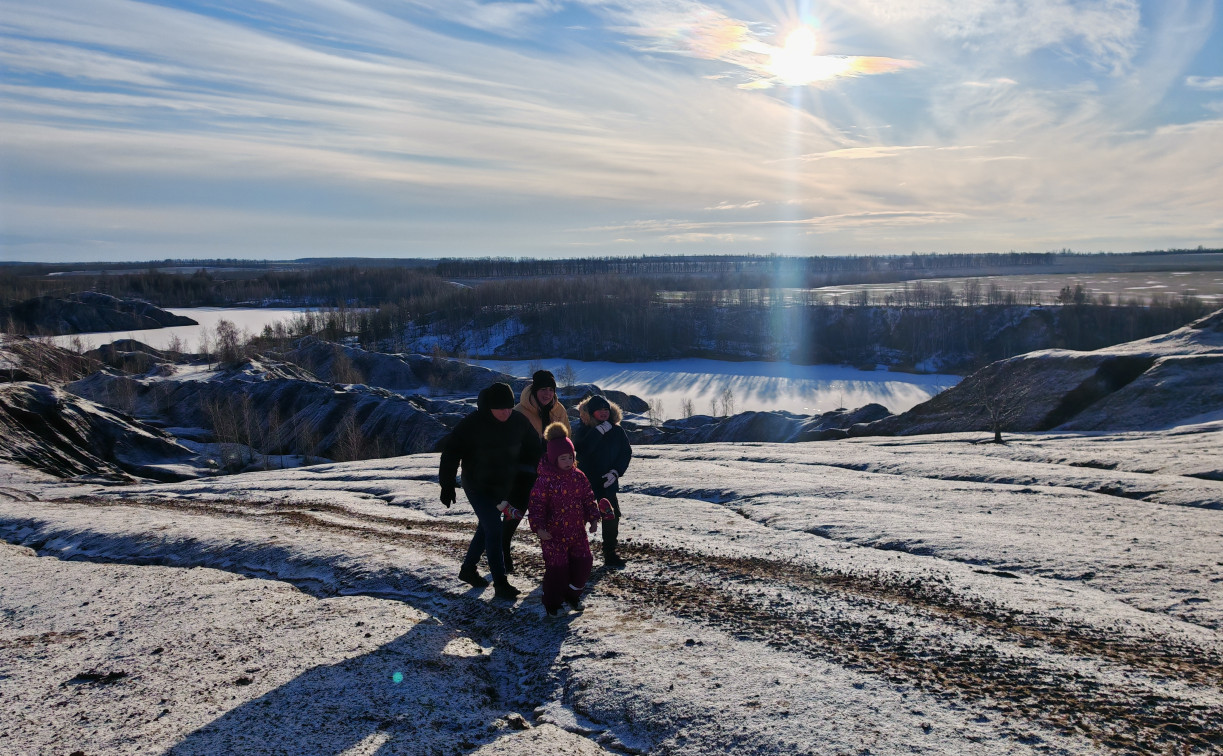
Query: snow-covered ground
1059,594
755,386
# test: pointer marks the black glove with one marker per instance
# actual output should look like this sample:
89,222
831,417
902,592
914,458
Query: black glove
448,495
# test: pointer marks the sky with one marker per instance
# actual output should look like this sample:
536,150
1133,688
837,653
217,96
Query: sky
563,128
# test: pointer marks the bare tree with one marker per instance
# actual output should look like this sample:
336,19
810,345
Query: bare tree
685,408
176,346
1000,403
342,369
728,401
206,346
272,441
349,444
306,437
567,375
229,342
655,413
227,430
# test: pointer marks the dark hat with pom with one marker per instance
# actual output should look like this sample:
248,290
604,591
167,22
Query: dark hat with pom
543,379
498,396
596,403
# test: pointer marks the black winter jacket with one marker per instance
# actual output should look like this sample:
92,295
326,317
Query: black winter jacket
493,453
599,452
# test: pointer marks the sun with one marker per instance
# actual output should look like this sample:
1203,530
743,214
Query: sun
797,64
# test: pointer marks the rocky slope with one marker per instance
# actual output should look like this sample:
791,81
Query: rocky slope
1150,383
86,312
61,434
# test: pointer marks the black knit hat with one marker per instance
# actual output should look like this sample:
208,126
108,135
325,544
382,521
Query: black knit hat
596,403
543,379
499,396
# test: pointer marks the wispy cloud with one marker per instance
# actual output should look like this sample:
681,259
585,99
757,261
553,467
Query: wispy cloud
498,128
698,31
1207,83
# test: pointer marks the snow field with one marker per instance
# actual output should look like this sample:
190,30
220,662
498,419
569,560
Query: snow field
890,596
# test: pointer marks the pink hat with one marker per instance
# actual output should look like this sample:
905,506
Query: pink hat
558,443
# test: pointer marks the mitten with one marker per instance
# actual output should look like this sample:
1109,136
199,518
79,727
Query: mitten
609,478
603,427
510,512
448,495
606,510
594,526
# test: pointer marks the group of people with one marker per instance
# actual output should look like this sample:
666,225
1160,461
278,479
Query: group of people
524,458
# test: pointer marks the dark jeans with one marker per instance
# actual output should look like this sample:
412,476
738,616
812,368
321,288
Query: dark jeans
487,538
611,528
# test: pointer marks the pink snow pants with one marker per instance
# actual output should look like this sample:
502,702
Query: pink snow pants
566,570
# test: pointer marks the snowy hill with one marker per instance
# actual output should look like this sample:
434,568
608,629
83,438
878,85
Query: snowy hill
1061,594
1160,382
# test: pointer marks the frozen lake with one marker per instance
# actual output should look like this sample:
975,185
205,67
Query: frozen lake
252,320
756,386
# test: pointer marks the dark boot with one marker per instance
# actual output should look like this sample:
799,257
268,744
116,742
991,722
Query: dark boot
503,590
575,604
611,533
471,576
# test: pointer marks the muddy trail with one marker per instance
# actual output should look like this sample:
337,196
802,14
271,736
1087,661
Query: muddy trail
1130,693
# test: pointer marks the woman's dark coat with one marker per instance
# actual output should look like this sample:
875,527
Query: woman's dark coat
492,452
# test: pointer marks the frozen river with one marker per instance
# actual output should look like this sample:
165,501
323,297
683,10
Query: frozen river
754,385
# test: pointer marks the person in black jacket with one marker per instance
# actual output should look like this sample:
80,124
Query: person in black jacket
492,444
603,454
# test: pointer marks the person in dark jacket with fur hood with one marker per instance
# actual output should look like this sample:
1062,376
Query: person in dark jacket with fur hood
604,453
493,444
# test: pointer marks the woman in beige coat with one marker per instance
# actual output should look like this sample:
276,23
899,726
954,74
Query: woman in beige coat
540,406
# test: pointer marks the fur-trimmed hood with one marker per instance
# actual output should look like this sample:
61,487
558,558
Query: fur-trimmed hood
614,417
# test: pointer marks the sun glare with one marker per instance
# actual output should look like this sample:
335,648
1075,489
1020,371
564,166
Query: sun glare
796,63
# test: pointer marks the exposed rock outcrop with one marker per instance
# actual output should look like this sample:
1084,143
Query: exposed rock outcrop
764,427
399,372
66,436
278,408
130,356
26,359
87,312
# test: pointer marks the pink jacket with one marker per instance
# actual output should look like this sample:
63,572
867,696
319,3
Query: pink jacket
562,502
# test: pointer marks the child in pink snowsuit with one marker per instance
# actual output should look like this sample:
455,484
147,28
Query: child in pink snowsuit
561,503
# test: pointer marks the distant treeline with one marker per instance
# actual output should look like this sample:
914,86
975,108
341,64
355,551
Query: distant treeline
321,286
770,268
429,285
955,338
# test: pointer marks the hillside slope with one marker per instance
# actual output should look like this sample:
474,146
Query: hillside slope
1158,382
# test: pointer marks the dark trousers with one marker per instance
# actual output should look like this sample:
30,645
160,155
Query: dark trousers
611,528
487,538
